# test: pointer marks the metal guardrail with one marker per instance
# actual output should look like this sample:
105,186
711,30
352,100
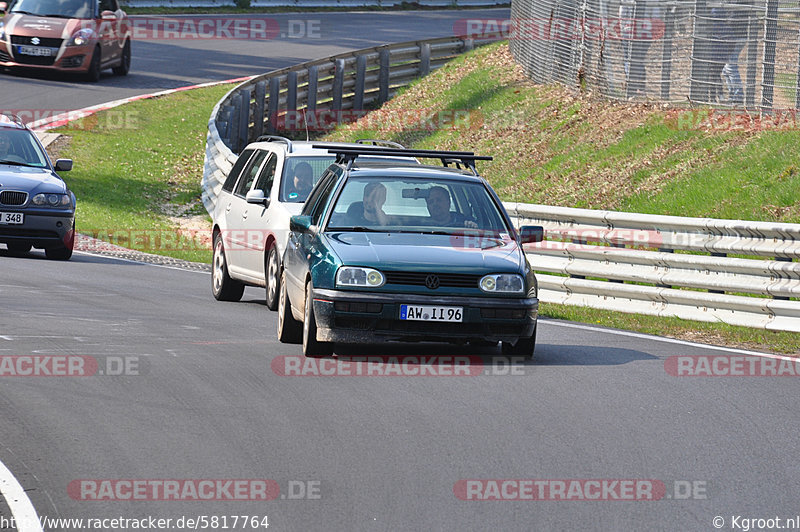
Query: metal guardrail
668,265
348,81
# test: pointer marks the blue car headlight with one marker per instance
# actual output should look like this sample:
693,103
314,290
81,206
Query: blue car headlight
51,200
503,283
358,276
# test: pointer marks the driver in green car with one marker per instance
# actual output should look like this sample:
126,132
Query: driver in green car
438,202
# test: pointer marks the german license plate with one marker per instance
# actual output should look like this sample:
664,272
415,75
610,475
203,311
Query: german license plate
431,313
11,218
35,50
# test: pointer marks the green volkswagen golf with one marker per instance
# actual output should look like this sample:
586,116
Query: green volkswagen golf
393,251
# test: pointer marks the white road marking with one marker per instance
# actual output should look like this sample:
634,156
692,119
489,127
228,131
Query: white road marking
665,340
21,507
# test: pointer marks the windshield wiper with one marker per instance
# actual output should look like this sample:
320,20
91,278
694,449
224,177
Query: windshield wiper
25,13
15,163
357,229
56,15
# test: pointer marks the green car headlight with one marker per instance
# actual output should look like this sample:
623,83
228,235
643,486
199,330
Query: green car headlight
357,276
506,283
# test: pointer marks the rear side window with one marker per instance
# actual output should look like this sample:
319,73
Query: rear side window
267,175
236,170
250,172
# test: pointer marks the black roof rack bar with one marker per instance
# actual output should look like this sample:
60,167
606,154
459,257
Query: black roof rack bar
381,142
275,138
348,154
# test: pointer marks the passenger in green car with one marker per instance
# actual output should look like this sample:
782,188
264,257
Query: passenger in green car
369,211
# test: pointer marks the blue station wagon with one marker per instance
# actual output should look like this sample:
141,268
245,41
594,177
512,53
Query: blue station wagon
386,251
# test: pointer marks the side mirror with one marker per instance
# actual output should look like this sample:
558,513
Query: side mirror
3,7
530,234
63,165
256,197
299,223
108,15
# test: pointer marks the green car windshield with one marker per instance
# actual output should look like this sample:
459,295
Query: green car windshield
402,204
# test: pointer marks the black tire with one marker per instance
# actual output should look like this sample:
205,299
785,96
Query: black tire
289,330
63,252
272,269
312,347
222,286
93,74
523,348
125,62
18,247
60,253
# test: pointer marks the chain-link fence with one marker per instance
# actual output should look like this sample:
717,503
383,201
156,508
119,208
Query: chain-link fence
734,53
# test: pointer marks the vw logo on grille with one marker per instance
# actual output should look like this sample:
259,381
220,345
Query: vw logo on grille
35,40
432,281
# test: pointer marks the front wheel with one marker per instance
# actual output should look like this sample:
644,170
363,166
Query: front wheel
64,251
312,347
272,279
125,61
222,286
523,348
288,328
93,74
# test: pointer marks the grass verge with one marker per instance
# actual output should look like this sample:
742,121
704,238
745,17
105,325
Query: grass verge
138,170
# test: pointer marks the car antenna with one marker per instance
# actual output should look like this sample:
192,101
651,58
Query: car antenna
305,122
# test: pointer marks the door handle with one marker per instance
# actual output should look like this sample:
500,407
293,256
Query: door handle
228,208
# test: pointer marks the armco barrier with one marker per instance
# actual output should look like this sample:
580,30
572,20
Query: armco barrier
667,265
353,80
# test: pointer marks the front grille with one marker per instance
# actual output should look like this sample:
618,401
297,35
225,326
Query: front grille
13,197
35,60
50,42
450,280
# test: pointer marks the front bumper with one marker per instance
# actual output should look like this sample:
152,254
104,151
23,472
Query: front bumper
359,317
39,230
72,59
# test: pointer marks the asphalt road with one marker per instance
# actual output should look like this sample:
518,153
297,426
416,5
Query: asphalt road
380,452
161,61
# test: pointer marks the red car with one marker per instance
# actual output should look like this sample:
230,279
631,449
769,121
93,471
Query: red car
83,36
